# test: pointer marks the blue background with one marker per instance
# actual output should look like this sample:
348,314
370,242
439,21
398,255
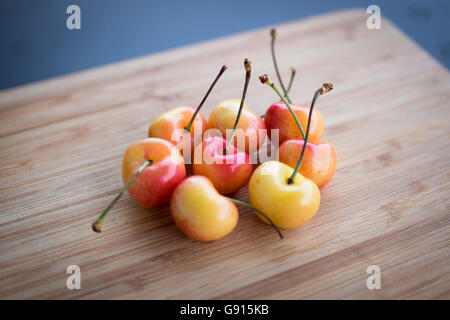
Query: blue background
35,43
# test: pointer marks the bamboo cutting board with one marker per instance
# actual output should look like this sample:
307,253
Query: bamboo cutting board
62,142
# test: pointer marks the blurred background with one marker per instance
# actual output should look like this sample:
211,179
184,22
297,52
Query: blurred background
35,43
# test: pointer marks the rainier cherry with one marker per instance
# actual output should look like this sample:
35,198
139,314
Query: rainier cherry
151,169
229,171
202,213
319,161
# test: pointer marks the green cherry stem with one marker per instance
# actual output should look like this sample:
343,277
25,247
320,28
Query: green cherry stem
324,89
291,80
273,35
265,80
245,204
188,127
97,225
248,71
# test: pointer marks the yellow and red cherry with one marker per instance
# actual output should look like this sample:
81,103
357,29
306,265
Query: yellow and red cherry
151,169
319,162
228,171
288,198
202,213
170,126
182,125
279,116
288,204
251,133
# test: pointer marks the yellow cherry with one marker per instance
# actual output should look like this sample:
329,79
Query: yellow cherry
289,204
201,212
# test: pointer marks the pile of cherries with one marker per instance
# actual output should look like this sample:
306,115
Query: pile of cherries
283,193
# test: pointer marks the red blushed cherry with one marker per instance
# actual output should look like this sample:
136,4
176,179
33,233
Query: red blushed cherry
177,119
252,133
156,183
227,167
228,171
278,116
151,169
319,161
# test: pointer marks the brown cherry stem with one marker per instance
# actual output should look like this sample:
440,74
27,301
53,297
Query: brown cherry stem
245,204
273,35
265,80
188,127
324,89
97,225
248,71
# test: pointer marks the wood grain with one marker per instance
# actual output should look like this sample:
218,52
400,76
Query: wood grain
62,141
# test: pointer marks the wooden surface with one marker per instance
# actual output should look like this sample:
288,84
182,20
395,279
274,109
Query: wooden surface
62,143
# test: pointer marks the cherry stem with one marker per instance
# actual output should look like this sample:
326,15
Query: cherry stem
273,34
265,80
325,88
97,225
245,204
293,72
188,127
248,71
291,80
